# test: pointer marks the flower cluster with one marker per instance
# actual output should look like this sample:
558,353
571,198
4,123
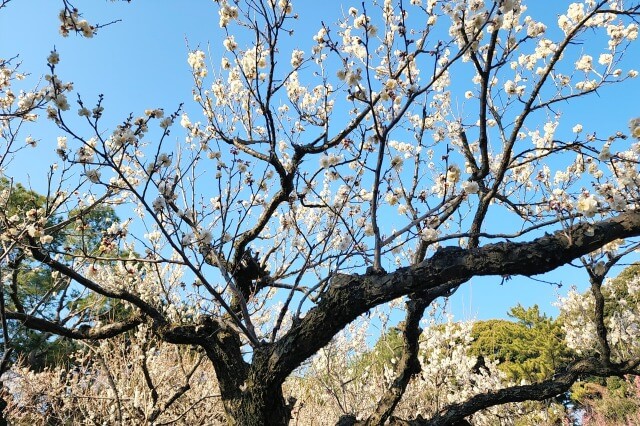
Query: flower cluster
70,20
370,144
622,320
227,13
196,62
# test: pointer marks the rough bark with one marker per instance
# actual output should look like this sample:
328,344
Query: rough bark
258,399
349,296
258,406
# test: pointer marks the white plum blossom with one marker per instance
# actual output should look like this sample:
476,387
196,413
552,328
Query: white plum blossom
230,43
605,59
605,153
159,204
46,239
428,234
511,88
53,58
585,63
62,142
634,126
396,163
297,56
196,59
587,205
391,198
227,13
587,85
618,202
470,187
185,122
205,237
92,175
164,160
453,174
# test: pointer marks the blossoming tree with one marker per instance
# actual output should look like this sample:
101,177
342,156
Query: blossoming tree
316,185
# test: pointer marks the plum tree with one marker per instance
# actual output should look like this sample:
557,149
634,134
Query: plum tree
405,150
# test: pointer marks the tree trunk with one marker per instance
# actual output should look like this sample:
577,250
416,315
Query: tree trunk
259,406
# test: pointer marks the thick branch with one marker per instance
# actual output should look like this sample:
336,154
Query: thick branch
46,259
352,295
95,333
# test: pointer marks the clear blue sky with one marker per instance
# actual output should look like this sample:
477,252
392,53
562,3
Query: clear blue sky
140,63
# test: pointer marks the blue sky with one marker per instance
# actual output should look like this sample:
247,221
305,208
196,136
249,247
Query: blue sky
140,63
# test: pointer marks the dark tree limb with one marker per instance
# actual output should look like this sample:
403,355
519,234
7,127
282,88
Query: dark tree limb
95,333
65,270
599,305
349,296
408,365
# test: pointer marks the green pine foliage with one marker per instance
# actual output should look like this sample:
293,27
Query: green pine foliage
32,288
530,347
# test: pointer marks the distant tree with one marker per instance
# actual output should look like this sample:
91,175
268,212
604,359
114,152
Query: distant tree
364,169
529,348
606,400
29,287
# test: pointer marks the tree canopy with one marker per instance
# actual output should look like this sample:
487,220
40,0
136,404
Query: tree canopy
31,288
306,186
